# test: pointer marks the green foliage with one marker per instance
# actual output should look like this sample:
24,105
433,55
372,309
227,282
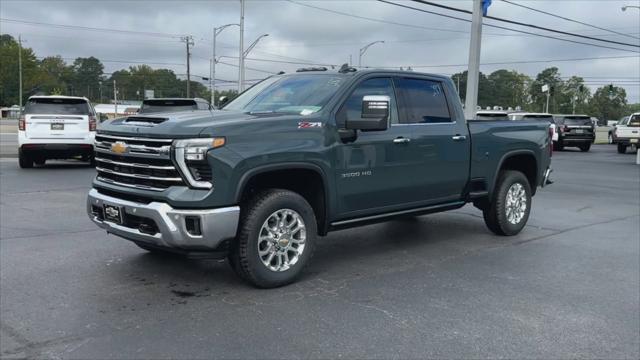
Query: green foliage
609,103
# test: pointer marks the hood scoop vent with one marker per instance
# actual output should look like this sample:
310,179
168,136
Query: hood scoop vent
143,121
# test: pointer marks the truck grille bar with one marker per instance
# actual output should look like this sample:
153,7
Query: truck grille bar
142,163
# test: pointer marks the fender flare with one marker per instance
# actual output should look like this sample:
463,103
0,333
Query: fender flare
504,158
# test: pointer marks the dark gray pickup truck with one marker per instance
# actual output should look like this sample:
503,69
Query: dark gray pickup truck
299,155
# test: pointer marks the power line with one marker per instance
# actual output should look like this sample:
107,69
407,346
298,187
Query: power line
518,23
568,19
115,61
88,28
517,62
501,27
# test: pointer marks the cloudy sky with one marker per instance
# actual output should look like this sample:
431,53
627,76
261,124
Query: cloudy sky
329,32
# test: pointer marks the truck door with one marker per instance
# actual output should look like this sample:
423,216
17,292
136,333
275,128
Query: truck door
374,173
441,143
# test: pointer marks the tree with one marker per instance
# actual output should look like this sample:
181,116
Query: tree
574,97
87,77
551,77
484,88
56,75
9,72
509,88
609,103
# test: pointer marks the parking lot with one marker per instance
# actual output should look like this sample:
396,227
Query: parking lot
435,286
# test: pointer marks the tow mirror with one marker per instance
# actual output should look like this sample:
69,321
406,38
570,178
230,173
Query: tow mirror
375,114
222,100
102,117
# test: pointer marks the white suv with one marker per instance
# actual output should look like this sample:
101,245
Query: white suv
56,127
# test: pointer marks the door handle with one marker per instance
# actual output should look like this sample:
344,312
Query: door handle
401,140
459,138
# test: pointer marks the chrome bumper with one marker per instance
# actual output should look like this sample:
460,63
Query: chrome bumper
216,225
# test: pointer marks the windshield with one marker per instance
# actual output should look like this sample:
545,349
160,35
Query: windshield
57,106
577,120
496,116
548,118
298,94
156,106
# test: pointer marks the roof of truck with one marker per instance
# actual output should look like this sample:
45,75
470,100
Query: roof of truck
58,97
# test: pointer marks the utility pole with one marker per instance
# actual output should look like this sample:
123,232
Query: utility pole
20,70
189,41
548,96
473,74
115,98
241,55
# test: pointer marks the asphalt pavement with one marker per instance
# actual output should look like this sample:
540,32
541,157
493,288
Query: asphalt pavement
431,287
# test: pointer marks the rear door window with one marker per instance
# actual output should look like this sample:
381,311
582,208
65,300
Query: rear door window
57,106
424,101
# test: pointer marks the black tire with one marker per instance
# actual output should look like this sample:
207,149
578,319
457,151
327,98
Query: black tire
622,149
558,146
244,257
585,147
495,215
25,161
40,161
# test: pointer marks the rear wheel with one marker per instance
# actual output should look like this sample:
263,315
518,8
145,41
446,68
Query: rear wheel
276,239
25,161
585,147
622,148
510,205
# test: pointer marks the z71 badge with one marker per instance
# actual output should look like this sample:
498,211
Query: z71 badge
308,125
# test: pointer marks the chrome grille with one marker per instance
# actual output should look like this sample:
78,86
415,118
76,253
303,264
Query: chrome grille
141,163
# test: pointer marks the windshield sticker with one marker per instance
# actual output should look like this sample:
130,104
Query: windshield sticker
308,125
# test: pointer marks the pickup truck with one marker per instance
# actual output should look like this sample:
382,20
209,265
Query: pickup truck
299,155
627,133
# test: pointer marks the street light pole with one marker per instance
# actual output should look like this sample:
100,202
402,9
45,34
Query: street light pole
364,49
244,55
473,74
240,55
214,61
20,70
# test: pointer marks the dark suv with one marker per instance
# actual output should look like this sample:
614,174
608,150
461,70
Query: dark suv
574,130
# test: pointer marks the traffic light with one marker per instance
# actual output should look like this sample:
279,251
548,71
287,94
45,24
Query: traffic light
610,88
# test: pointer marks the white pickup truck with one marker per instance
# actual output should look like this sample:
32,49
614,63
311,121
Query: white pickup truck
627,133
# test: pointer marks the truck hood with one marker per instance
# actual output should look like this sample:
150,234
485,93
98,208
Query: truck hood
181,124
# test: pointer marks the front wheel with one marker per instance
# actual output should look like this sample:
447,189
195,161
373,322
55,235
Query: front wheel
622,148
276,239
510,205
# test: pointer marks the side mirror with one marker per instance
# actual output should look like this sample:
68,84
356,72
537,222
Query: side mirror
375,114
222,100
102,117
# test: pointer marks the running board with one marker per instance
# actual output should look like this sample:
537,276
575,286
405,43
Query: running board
387,216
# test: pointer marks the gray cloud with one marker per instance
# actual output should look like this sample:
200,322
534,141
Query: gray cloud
303,33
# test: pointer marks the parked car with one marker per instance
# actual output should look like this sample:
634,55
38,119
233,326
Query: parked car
574,130
150,106
548,118
492,115
628,134
56,127
612,132
299,155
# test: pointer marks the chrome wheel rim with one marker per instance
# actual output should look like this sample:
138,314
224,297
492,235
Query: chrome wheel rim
516,205
281,240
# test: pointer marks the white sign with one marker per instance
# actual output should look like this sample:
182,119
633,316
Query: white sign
545,88
149,94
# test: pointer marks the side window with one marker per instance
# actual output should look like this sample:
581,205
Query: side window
424,101
352,107
202,105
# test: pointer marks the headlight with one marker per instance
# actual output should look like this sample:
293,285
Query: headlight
191,157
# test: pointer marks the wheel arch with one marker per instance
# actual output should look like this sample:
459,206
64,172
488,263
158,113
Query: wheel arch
524,161
307,179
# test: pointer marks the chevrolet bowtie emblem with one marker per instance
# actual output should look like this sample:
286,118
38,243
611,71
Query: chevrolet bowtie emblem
119,147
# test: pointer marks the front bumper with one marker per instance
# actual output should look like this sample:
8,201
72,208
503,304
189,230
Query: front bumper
160,225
